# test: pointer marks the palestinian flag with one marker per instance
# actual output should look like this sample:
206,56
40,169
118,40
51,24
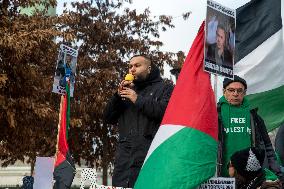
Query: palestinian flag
260,58
184,151
64,170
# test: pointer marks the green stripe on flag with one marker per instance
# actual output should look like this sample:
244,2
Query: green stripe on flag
183,161
268,102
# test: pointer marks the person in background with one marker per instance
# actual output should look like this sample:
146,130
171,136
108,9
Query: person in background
247,167
279,146
28,182
240,127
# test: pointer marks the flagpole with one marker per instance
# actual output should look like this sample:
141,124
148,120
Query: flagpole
59,123
215,92
64,168
215,85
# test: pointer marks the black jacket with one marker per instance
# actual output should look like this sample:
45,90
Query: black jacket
260,139
279,143
143,117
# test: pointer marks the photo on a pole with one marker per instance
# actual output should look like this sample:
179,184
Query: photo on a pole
65,69
219,45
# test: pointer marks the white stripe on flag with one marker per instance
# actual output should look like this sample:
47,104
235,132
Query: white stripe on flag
164,132
263,67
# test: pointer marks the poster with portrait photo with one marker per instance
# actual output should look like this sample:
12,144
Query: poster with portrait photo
219,47
67,58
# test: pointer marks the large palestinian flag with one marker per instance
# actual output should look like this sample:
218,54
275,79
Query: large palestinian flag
64,170
184,151
260,57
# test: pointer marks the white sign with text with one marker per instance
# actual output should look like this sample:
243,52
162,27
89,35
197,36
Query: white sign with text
218,183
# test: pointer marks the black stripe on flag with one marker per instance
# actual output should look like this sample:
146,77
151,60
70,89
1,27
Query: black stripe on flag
256,22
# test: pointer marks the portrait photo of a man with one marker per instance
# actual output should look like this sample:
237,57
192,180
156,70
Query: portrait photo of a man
219,51
219,46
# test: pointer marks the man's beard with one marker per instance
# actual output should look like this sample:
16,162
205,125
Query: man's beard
140,78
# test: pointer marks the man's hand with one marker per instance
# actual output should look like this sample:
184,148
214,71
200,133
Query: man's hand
128,93
124,84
